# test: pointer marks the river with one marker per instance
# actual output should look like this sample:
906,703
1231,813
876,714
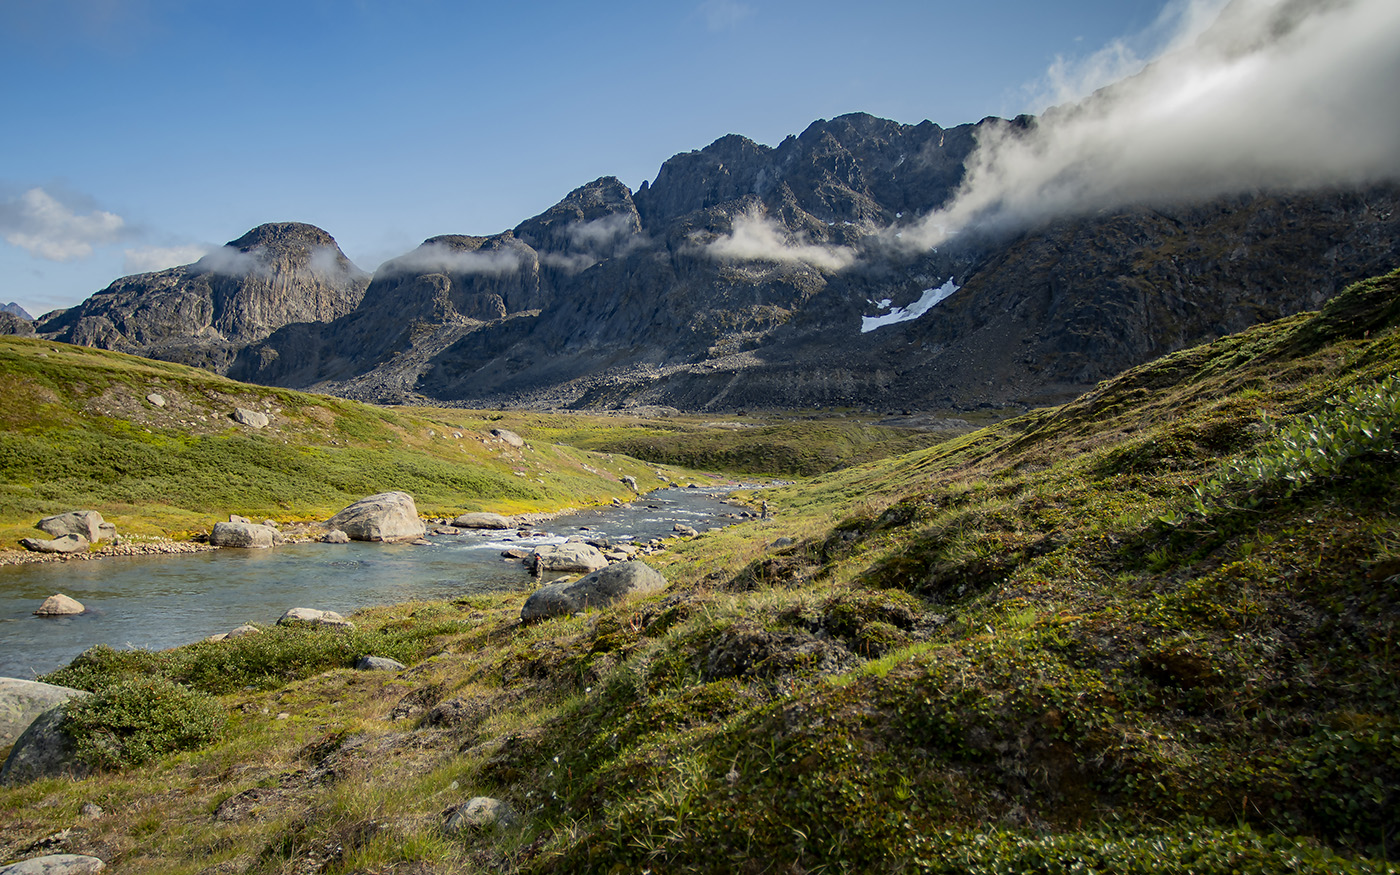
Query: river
154,602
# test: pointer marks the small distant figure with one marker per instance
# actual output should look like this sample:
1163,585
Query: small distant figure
764,508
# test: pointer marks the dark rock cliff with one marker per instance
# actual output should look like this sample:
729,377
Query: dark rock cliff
203,313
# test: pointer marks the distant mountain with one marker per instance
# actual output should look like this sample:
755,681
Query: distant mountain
16,310
203,313
744,275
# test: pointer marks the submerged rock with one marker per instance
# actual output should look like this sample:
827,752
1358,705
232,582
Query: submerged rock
59,605
386,516
335,536
596,590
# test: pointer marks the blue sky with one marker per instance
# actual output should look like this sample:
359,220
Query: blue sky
151,126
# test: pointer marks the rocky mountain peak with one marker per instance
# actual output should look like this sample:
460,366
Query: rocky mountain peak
283,235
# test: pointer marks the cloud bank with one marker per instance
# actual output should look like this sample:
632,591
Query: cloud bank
1274,94
439,258
757,238
47,228
151,258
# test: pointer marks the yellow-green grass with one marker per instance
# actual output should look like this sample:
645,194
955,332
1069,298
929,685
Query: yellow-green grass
1022,650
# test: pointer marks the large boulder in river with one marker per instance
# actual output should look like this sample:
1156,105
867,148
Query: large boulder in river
388,516
572,556
243,535
482,521
21,703
43,750
596,590
61,544
86,524
60,605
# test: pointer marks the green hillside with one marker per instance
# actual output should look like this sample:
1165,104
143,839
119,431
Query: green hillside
77,431
1150,631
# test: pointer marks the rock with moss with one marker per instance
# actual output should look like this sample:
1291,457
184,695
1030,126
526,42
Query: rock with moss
56,864
481,813
21,703
43,750
385,516
596,590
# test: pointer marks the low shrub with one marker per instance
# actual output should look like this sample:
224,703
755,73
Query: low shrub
141,719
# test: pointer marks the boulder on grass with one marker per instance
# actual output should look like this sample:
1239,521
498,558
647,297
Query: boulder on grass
482,520
61,544
86,524
56,864
59,605
43,750
573,556
21,703
243,535
378,663
596,590
481,813
387,516
315,618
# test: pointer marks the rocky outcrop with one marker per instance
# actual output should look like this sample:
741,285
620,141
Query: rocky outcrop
21,703
203,313
12,324
86,524
596,590
387,516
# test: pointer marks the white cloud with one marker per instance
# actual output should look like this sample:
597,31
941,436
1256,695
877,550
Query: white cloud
439,258
44,226
723,14
758,238
1289,94
151,258
602,234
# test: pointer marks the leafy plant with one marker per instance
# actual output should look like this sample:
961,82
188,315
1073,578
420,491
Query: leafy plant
141,719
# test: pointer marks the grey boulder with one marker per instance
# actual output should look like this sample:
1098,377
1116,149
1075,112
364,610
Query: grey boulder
43,750
573,556
387,516
250,418
510,437
55,864
59,605
335,536
379,663
482,520
479,813
596,590
86,524
61,544
243,535
314,617
21,703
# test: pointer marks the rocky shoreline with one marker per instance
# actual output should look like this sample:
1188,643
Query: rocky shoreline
128,548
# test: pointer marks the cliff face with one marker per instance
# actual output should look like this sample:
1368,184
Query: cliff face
740,278
203,313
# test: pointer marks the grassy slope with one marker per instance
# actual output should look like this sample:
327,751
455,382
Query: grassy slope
992,655
76,431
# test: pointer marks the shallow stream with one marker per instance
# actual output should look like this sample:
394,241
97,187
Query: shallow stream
155,602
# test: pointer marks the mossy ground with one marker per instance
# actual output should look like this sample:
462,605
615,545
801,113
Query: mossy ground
1019,650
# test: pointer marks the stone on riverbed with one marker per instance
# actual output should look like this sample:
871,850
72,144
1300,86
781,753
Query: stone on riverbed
387,516
335,536
596,590
59,605
64,544
482,521
243,535
573,556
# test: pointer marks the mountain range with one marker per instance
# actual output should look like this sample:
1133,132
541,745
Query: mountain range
754,276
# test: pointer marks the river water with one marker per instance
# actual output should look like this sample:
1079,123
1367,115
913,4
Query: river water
154,602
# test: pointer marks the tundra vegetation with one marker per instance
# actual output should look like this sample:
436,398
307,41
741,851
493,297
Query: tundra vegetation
1150,631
